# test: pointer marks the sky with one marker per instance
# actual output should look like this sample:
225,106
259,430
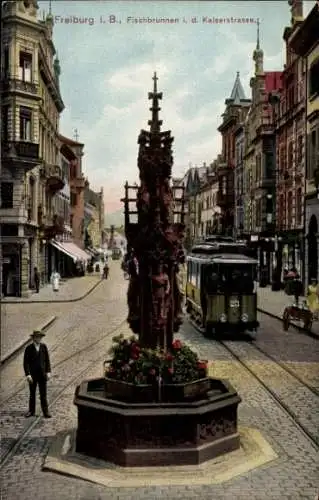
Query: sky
107,69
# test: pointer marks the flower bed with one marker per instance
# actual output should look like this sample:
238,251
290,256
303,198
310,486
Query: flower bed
173,375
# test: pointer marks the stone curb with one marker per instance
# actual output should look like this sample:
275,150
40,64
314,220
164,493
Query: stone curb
54,301
19,347
294,325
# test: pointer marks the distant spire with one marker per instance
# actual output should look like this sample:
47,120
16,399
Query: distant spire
155,123
258,55
50,9
76,135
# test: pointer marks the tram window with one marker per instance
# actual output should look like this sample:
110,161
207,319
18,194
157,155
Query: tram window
198,275
193,279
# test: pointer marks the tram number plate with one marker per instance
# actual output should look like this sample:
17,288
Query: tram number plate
234,303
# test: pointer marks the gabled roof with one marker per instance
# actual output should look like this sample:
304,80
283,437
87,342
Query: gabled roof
237,97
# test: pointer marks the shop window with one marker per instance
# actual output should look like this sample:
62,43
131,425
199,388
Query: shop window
6,194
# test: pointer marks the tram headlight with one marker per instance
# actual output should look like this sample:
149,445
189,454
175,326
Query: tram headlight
223,318
244,318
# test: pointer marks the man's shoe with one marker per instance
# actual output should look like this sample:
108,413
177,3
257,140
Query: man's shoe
29,414
47,415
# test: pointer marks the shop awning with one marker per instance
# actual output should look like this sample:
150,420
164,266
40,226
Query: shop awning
72,250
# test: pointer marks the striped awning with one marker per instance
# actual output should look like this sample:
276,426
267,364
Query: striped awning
72,250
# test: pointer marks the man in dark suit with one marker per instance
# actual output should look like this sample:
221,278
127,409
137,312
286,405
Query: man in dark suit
37,369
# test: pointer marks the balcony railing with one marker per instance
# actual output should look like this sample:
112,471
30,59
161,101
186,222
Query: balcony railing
15,85
21,150
51,227
224,200
54,176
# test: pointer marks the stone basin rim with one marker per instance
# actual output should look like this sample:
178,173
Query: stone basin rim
82,395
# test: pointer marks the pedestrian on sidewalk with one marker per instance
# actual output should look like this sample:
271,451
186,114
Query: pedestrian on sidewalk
313,297
55,281
37,369
36,280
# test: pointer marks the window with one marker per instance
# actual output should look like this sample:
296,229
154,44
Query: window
73,199
224,186
25,124
290,155
282,159
314,79
6,62
298,207
5,120
299,150
25,67
289,209
6,194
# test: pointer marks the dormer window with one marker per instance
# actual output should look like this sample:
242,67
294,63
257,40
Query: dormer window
25,66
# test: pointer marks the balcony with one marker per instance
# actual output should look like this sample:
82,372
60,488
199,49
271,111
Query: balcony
51,227
19,86
24,153
224,200
54,178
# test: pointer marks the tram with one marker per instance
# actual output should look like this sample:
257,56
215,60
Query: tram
220,287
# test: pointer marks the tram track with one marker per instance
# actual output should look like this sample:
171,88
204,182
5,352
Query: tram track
19,387
245,352
60,392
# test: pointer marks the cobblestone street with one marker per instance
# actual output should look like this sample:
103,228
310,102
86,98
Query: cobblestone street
78,343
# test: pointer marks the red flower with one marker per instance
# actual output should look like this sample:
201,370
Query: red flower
135,347
152,371
177,345
170,371
169,357
202,365
135,355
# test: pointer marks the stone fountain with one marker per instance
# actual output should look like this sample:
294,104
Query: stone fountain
155,424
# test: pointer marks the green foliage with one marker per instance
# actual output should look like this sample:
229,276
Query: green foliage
138,365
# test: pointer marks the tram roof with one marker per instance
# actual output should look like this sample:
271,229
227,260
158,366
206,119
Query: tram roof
223,258
220,247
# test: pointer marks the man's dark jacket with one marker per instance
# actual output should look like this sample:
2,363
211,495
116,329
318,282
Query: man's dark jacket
36,364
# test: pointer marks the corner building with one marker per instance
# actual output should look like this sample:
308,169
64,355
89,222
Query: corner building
31,171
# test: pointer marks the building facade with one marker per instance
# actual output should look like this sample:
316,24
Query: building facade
239,192
93,217
72,152
31,171
236,108
305,43
207,208
290,152
260,164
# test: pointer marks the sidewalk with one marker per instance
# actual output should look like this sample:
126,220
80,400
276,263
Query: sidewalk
19,316
274,303
71,290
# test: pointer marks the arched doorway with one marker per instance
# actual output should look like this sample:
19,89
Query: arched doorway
312,248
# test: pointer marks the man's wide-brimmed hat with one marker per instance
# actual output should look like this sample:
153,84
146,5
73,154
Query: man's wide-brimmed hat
37,333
